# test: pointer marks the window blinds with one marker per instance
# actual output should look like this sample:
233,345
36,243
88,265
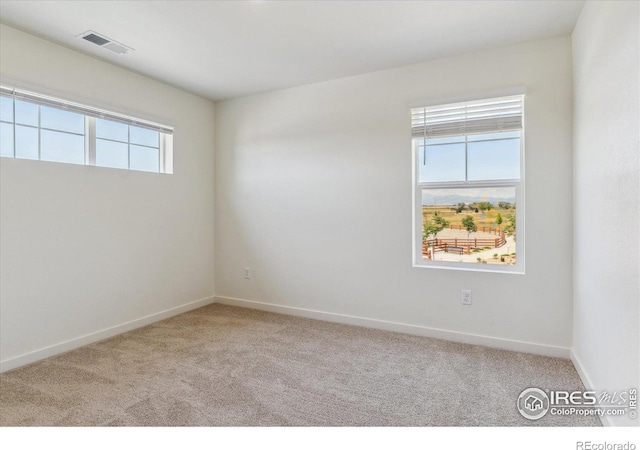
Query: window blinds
476,117
32,97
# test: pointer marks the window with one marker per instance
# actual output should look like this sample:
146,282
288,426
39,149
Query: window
468,185
34,126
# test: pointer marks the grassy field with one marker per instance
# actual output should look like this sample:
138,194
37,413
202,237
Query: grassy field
487,219
482,219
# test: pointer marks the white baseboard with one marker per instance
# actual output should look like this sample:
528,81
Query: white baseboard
455,336
62,347
588,384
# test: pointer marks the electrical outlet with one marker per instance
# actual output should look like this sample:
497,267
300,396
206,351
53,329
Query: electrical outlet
466,296
247,272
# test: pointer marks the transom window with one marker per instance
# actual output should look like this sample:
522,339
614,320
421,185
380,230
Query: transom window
468,185
33,126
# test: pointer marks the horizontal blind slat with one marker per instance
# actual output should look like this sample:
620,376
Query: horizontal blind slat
477,117
82,109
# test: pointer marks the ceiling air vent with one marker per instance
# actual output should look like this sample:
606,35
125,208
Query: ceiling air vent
104,42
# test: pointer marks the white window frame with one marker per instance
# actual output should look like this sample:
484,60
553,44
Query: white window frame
165,143
517,184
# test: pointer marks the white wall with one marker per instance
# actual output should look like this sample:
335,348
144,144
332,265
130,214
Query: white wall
88,248
607,196
313,192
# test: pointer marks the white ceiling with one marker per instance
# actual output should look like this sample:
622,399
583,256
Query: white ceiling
225,49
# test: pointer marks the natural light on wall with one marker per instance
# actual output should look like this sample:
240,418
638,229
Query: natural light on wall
468,185
39,127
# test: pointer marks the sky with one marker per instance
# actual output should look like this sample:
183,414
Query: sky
443,159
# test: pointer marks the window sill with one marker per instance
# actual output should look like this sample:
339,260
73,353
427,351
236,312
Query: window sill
471,267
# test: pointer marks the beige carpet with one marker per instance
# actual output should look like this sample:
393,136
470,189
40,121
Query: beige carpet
222,365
